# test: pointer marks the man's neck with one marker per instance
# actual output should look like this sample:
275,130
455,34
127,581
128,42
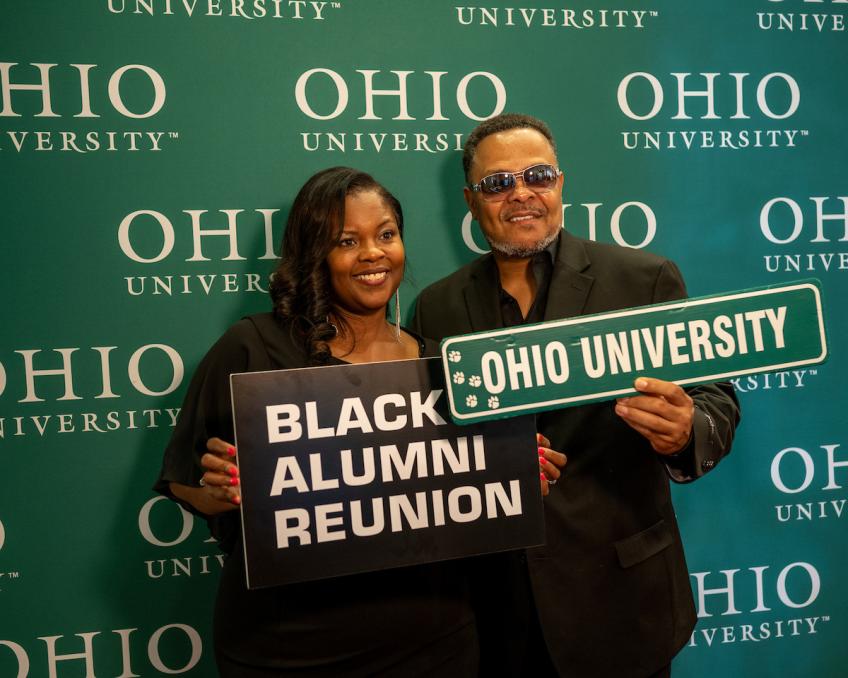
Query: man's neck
517,279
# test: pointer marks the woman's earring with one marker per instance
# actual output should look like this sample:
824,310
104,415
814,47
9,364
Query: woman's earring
397,315
335,329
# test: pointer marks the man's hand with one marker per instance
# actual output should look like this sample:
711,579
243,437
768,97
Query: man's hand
663,414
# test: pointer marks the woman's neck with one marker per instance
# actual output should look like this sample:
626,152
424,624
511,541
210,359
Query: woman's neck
369,338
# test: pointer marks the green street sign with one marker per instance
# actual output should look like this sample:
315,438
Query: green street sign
545,366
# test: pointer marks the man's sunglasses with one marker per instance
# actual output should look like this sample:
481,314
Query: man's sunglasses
538,178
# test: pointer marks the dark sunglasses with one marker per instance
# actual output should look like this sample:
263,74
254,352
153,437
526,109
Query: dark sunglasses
536,178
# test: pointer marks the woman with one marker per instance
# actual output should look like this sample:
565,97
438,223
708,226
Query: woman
341,264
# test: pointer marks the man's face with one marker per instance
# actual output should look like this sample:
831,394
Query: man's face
525,221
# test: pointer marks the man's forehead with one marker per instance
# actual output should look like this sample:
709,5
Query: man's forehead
512,150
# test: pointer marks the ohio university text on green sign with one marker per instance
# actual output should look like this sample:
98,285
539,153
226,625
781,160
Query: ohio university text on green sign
545,366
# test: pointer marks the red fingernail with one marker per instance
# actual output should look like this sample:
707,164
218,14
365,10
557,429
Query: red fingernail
233,481
541,461
541,451
231,451
233,470
542,476
236,500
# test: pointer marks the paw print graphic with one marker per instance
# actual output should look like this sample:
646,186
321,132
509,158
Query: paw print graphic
454,356
494,403
459,377
474,381
471,401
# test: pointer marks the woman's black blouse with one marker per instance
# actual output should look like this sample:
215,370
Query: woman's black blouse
405,621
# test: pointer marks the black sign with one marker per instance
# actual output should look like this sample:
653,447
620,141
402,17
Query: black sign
353,468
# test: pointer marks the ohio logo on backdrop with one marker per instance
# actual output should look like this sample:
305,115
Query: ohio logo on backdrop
802,16
7,576
278,11
774,382
175,547
628,224
55,391
810,483
199,252
805,233
82,108
567,19
731,111
170,649
757,604
348,110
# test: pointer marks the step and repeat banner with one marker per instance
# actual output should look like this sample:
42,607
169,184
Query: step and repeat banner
150,151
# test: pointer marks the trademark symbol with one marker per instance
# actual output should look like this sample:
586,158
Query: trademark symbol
173,135
805,132
814,372
13,575
336,5
654,13
826,617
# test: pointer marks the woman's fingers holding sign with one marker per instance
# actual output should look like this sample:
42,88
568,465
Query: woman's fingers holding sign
550,463
221,479
218,489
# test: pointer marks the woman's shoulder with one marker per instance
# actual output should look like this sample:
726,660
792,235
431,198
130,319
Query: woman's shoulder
427,348
256,342
238,338
281,341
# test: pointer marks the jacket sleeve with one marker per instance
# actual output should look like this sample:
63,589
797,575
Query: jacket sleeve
717,411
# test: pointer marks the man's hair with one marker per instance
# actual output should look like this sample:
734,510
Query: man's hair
501,123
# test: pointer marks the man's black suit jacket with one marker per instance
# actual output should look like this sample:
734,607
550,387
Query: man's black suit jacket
611,584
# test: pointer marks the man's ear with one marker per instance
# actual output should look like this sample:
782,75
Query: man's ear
470,201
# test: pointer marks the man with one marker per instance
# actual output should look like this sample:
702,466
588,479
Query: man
609,593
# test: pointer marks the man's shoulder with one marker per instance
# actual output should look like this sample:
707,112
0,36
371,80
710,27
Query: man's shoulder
606,253
455,281
624,276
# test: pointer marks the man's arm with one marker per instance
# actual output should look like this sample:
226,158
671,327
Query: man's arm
693,428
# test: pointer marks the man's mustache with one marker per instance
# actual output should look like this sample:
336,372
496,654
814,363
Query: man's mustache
524,212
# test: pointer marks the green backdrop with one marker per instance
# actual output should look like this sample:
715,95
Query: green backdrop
150,150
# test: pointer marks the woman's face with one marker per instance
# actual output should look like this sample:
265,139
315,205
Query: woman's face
366,266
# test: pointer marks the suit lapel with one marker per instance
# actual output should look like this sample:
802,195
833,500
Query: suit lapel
481,296
570,286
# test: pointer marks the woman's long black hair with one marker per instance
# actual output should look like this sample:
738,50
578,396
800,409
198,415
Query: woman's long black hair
300,287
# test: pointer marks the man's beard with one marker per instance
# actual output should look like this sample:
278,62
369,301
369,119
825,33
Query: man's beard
509,249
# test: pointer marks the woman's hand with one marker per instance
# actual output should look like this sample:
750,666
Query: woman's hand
219,486
550,463
220,482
